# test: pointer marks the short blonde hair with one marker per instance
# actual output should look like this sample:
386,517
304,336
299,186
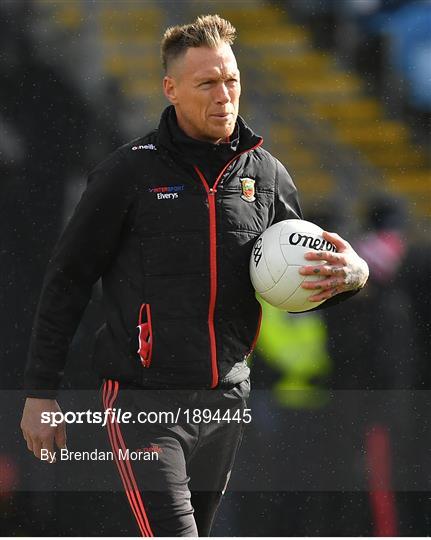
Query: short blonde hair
205,31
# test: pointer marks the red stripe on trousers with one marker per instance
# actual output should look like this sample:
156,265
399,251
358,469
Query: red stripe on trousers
107,389
381,495
110,392
131,474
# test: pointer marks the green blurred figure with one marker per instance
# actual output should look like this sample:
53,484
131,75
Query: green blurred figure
296,347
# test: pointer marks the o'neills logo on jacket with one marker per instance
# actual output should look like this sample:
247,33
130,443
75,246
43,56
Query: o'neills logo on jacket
312,242
144,147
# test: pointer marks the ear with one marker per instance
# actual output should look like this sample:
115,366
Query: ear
169,89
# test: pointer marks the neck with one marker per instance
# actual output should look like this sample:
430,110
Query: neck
191,132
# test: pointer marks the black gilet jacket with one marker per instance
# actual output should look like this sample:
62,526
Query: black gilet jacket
172,248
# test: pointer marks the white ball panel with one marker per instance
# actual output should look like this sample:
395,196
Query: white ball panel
297,301
272,252
300,225
259,273
299,307
295,256
260,276
285,287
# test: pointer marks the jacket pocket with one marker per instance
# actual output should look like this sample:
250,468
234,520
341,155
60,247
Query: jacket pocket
145,335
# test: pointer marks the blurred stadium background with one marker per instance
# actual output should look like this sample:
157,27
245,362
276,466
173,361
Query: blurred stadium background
341,92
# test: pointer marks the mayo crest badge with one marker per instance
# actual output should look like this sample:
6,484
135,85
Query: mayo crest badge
247,186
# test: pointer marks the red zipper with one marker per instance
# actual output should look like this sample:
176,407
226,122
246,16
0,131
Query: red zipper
211,192
256,335
145,337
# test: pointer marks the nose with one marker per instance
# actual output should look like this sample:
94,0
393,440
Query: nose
222,94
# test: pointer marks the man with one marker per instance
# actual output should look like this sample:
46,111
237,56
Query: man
165,222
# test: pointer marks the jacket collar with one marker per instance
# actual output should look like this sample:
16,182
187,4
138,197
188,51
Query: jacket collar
172,138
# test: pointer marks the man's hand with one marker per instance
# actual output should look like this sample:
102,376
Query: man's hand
341,271
36,434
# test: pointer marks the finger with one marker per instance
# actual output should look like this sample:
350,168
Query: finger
323,284
37,445
328,256
45,444
29,442
60,436
48,444
336,239
323,269
329,293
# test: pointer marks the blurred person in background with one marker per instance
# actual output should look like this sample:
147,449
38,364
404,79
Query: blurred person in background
379,350
382,315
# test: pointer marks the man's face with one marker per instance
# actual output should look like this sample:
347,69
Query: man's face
204,86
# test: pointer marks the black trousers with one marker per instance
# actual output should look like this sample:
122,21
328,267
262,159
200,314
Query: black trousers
175,454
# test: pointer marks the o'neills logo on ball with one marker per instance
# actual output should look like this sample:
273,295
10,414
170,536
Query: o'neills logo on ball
319,244
247,186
